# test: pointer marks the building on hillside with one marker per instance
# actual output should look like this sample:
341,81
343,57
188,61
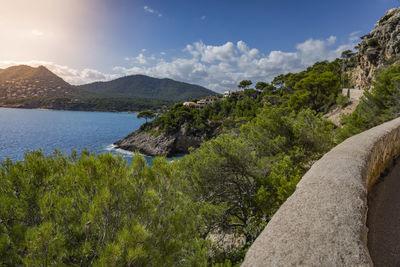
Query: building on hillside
201,104
210,99
190,104
227,93
231,93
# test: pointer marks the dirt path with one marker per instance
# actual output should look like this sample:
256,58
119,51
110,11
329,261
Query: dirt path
384,219
335,114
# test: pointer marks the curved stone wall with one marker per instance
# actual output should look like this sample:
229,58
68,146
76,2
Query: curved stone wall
323,222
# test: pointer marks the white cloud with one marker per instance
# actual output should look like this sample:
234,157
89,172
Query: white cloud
217,67
148,9
331,40
208,53
141,59
315,50
355,36
224,66
152,11
203,17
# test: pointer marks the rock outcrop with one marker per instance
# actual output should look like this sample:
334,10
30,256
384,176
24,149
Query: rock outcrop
157,143
377,48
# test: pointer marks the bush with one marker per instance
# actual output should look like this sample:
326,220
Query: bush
86,210
342,100
380,104
373,42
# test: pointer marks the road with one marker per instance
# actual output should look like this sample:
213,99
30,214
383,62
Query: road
384,219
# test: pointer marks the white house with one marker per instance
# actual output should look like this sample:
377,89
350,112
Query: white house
210,99
227,93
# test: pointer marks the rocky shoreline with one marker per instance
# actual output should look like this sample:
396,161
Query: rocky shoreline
162,143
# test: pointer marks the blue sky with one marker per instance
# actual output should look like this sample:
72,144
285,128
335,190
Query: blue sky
212,43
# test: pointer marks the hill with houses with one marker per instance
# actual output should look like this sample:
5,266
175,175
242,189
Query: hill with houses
37,87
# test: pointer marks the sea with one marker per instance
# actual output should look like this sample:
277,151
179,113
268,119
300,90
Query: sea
22,130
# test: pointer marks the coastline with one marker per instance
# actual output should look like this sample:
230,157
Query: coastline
130,154
53,109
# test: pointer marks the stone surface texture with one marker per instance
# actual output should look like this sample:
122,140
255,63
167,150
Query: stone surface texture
168,144
323,222
377,47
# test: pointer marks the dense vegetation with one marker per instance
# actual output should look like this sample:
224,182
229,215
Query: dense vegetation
86,210
96,210
237,108
248,175
378,105
316,88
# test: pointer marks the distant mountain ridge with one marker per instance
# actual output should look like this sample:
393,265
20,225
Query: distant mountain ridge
37,87
24,82
141,86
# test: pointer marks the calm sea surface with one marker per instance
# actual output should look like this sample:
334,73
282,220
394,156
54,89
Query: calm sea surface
22,130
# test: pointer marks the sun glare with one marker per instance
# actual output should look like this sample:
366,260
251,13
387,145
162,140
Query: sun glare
35,29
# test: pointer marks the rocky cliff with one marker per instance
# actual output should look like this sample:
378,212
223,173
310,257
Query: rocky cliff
381,46
163,143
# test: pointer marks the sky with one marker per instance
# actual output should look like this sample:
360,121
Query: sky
213,43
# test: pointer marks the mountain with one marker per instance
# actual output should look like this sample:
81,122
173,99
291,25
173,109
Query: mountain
29,87
29,82
145,87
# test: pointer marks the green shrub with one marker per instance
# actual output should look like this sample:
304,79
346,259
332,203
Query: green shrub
342,100
372,42
385,18
380,104
87,210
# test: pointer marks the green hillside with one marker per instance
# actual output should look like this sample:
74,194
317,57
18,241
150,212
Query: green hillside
27,82
29,87
144,87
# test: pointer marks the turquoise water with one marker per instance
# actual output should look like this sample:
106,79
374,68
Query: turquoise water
22,130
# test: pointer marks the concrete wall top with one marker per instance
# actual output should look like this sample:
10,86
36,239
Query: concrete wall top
323,222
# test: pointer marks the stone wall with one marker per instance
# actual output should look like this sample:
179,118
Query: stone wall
323,222
355,94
